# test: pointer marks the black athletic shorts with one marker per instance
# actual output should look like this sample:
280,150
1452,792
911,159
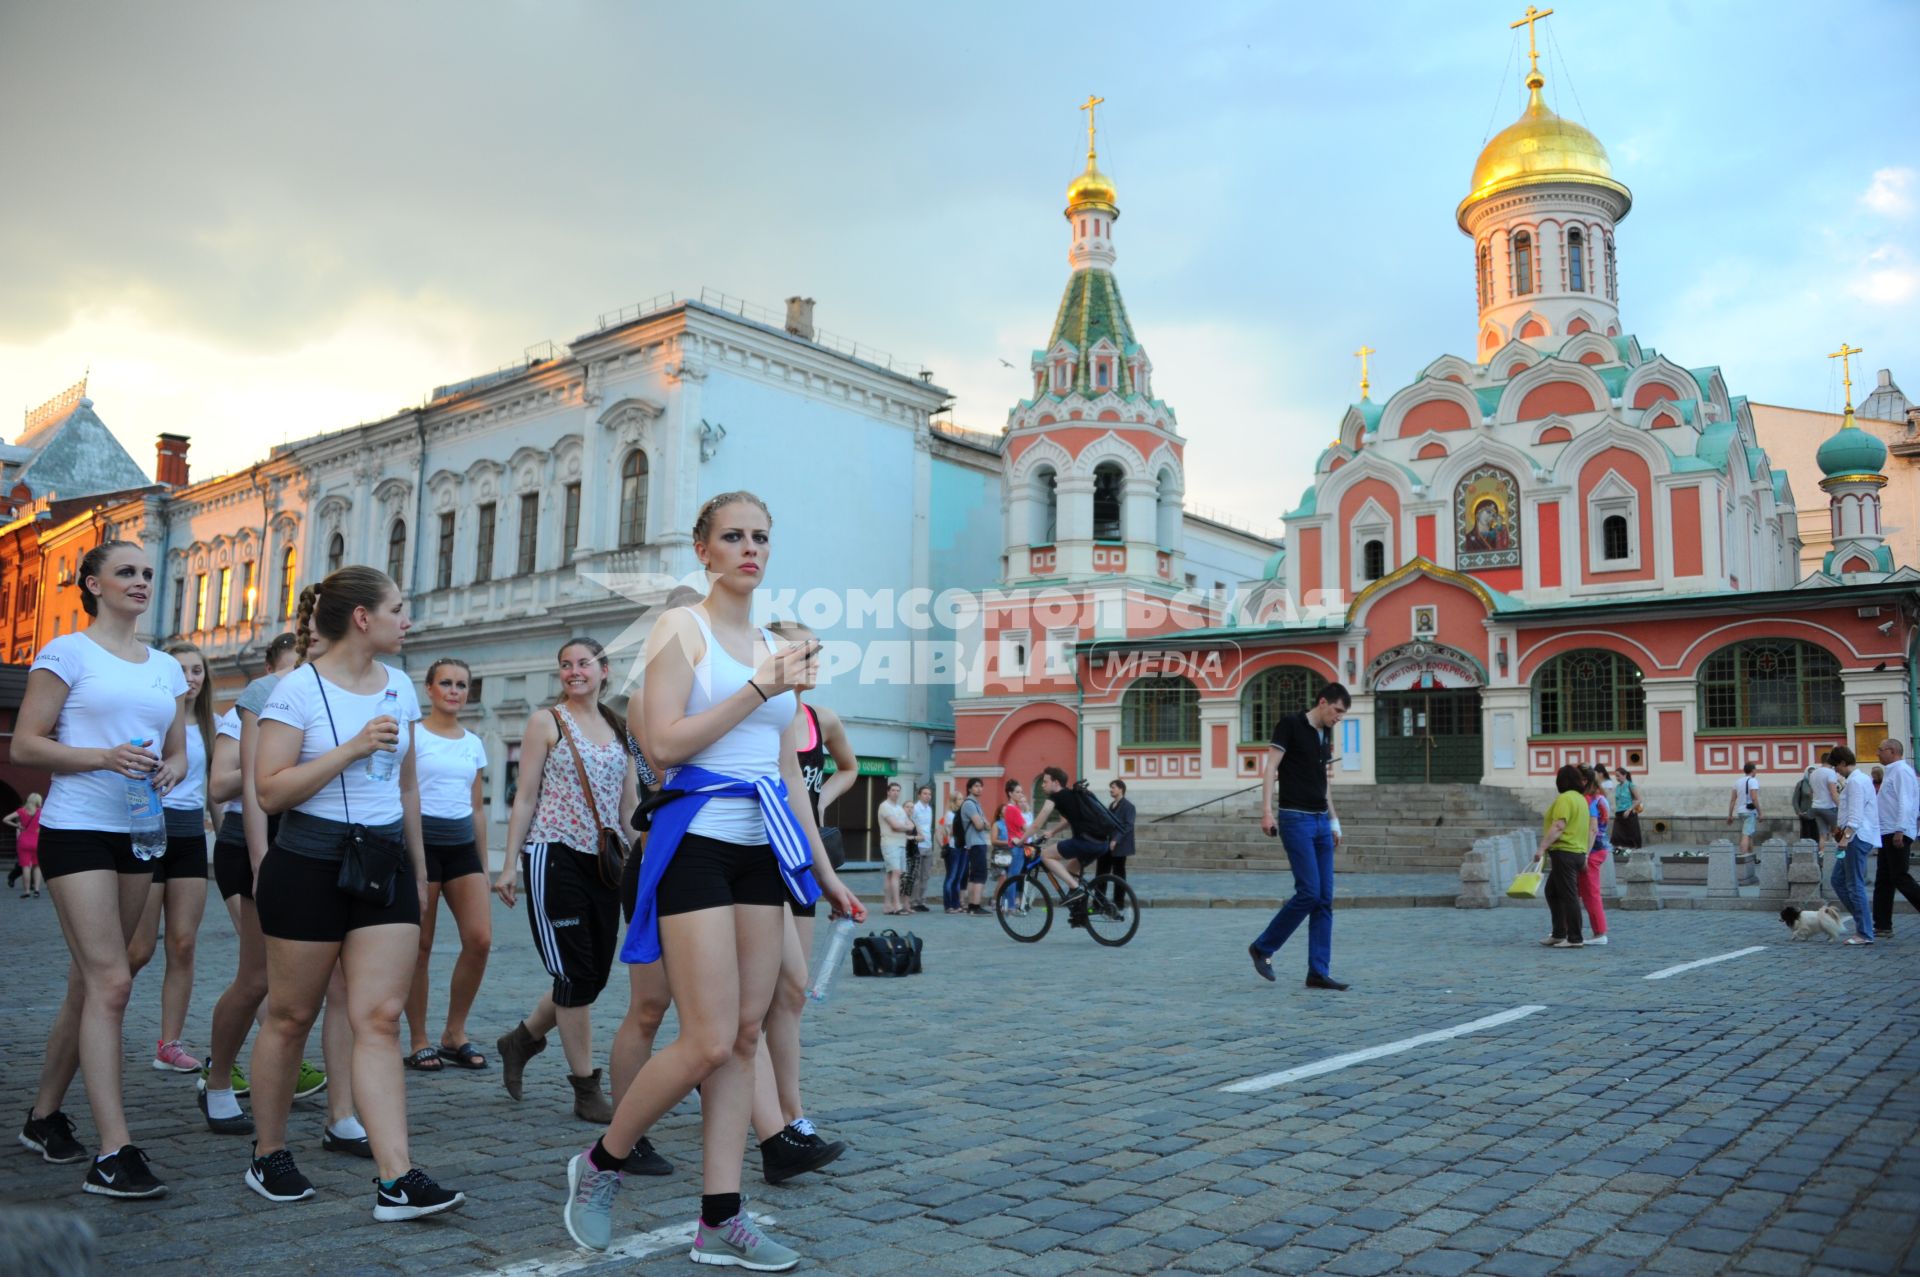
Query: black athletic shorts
186,858
444,864
977,863
630,879
72,851
299,898
232,866
575,920
706,873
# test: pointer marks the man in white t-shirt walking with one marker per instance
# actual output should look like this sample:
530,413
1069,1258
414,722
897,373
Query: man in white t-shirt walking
1744,803
1826,803
1859,836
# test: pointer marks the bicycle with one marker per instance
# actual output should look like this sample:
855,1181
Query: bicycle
1024,904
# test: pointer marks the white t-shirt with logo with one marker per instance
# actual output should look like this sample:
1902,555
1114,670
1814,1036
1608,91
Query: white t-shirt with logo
228,725
191,793
297,702
445,769
110,701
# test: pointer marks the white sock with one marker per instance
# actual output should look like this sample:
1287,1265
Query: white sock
347,1128
222,1103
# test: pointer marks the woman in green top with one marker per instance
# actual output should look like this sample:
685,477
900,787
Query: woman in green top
1564,840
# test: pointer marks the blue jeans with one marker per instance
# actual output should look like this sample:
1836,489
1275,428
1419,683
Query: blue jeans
1308,838
1850,884
955,884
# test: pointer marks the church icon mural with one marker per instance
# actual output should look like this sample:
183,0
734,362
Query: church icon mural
1487,516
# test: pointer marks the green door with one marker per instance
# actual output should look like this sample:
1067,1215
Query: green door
1428,738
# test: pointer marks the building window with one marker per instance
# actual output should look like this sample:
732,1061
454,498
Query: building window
1771,683
1108,482
247,592
483,545
633,499
287,568
336,552
1044,508
179,601
199,601
1589,693
1285,689
443,563
529,532
397,550
1522,263
1101,375
570,524
1160,711
1576,262
1613,537
1486,276
1060,651
1613,284
1375,554
225,597
1013,653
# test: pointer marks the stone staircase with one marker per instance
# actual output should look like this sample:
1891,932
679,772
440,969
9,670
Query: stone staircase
1386,828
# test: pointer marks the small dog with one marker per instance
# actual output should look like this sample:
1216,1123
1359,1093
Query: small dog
1806,924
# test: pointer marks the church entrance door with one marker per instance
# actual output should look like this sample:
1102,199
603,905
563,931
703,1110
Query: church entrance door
1428,737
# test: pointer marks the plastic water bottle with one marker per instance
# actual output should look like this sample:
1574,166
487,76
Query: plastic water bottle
839,940
382,764
145,821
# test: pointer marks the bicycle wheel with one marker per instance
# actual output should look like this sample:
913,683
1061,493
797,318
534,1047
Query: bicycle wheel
1113,912
1025,908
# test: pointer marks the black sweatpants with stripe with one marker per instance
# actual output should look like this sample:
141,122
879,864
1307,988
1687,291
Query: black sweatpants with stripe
575,920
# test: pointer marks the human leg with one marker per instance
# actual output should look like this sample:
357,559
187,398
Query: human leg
145,940
233,1014
417,991
336,1043
1296,838
186,906
647,1001
1320,921
377,963
1590,894
782,1032
298,972
1563,893
472,906
1849,883
98,911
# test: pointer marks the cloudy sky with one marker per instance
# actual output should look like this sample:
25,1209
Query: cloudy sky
258,221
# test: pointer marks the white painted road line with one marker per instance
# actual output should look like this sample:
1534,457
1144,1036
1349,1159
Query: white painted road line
1267,1081
1664,972
639,1246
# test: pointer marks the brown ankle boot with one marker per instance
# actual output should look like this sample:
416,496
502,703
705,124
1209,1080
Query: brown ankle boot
590,1103
515,1049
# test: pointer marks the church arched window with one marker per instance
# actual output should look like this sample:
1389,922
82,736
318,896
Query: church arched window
1522,263
336,553
1043,502
1375,555
1486,275
1576,261
1109,481
1613,283
397,551
1613,537
1589,692
1160,711
1771,683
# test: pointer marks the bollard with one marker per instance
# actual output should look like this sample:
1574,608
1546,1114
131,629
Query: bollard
1477,888
1771,872
1804,884
1640,881
1720,869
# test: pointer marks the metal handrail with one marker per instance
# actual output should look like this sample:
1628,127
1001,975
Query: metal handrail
1208,803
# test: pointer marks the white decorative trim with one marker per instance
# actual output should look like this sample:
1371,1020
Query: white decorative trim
1612,497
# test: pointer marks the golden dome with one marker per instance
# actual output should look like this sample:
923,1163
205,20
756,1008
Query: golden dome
1092,189
1538,148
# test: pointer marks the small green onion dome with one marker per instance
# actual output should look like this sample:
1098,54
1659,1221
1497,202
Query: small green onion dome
1851,450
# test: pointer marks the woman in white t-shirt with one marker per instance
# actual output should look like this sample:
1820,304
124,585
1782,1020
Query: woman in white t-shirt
449,761
326,761
106,714
180,877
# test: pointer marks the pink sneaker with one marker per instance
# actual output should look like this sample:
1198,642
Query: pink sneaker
173,1057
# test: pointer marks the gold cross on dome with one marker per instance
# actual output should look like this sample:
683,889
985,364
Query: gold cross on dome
1365,385
1845,355
1533,15
1088,106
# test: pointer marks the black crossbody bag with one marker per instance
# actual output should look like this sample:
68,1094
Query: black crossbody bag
369,863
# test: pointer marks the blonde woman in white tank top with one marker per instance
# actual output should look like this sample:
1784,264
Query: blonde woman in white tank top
721,934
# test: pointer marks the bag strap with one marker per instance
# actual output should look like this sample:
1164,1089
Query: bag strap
321,683
580,770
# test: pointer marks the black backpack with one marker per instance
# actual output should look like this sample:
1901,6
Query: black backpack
959,831
1087,815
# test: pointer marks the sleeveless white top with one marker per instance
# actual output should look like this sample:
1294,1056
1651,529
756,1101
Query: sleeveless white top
747,752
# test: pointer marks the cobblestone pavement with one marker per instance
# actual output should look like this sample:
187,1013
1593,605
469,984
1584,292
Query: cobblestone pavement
1057,1108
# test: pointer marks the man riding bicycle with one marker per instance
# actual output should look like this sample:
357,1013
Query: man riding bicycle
1092,828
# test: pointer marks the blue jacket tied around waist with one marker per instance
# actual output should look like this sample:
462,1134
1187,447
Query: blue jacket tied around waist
688,789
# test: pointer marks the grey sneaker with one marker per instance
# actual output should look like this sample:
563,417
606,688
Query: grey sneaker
740,1242
590,1194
